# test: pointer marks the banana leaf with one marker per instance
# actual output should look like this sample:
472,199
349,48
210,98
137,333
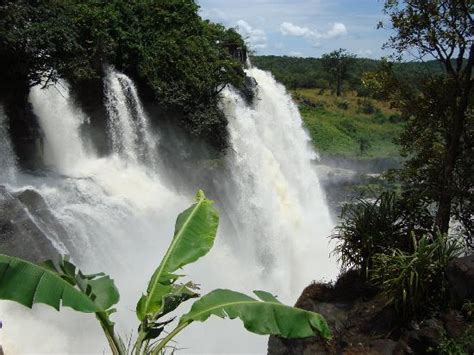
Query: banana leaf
195,231
27,284
265,315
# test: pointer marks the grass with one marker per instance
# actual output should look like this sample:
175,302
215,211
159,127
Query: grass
349,126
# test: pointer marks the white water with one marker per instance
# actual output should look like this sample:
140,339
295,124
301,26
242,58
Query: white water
119,215
128,124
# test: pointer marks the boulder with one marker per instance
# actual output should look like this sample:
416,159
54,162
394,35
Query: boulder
460,274
20,234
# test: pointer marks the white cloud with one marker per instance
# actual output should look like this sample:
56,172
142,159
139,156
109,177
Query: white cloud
337,30
255,37
289,29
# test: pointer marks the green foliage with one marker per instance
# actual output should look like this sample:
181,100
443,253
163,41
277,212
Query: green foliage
176,57
28,284
439,131
261,316
343,105
62,284
415,281
462,345
339,133
337,64
369,227
194,236
297,73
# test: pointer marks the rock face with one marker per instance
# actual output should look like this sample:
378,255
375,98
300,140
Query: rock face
362,323
460,274
20,234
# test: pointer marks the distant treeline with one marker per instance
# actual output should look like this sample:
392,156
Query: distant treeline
296,72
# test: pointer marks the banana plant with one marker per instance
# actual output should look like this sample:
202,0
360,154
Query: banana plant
61,284
195,231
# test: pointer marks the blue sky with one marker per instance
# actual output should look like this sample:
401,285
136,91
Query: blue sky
305,28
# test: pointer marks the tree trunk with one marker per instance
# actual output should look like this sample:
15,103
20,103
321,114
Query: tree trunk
338,86
443,215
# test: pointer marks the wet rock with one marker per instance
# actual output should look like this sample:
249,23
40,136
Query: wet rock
249,89
454,323
430,333
20,235
423,337
383,346
460,274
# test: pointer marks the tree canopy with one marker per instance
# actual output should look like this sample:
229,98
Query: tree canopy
438,138
181,59
338,63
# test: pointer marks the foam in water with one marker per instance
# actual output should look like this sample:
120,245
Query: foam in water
128,123
278,189
119,215
60,122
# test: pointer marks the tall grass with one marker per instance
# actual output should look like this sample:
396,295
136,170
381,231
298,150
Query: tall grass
416,281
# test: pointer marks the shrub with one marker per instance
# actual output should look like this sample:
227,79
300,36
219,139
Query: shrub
343,105
348,126
369,227
462,345
415,281
395,118
366,106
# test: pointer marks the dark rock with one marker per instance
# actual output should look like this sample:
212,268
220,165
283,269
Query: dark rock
249,89
424,337
460,274
454,323
20,235
383,346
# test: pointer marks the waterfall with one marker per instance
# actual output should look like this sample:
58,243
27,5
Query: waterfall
272,163
119,214
128,124
63,148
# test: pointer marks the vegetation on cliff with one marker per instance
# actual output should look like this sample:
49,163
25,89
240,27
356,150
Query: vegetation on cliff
177,58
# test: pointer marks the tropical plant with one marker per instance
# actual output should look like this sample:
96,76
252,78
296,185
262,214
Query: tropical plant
368,227
462,345
416,281
195,231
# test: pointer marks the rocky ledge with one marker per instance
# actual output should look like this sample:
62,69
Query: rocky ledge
362,323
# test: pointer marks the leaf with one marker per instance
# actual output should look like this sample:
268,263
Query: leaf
27,283
264,316
194,236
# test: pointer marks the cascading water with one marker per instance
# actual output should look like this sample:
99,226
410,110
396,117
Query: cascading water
128,123
119,215
278,187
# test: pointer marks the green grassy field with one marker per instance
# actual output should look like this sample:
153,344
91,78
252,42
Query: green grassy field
349,126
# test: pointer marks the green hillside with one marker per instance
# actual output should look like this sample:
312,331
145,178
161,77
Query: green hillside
354,125
349,127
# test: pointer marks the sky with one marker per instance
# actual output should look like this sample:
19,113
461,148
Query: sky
303,28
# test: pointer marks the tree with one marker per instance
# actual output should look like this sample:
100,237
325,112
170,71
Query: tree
175,56
338,63
438,138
